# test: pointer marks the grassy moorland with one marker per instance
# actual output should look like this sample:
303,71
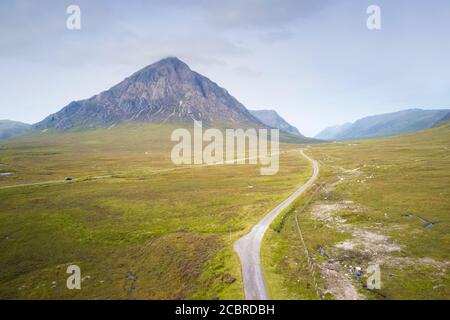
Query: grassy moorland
372,205
130,210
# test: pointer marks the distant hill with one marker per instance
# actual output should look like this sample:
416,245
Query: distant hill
9,129
164,92
388,124
272,119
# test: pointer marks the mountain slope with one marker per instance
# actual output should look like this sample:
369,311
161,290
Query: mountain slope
387,124
9,129
331,132
272,119
443,120
166,91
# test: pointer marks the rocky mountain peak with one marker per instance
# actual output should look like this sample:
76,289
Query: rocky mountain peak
166,91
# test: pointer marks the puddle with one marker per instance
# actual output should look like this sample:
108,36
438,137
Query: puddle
6,173
427,223
132,278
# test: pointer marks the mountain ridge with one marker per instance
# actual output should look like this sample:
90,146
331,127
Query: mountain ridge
383,125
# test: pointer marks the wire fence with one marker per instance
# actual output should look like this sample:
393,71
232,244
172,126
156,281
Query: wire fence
310,261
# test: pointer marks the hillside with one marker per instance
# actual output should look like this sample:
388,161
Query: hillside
331,133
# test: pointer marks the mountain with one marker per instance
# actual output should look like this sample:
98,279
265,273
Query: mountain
9,129
445,119
387,124
166,91
272,119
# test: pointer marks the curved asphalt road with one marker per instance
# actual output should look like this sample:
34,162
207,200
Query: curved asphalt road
249,246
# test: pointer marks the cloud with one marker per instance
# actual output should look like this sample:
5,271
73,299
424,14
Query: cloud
203,32
247,72
267,14
111,33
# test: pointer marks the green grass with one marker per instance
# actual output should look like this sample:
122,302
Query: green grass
398,175
173,227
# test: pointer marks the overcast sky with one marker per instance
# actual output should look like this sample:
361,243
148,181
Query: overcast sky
315,62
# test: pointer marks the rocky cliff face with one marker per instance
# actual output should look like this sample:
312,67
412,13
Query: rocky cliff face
164,92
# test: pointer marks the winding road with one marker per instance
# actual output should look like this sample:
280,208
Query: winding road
248,247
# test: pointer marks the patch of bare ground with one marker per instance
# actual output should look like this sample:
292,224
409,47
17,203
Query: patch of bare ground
368,246
338,282
369,242
324,212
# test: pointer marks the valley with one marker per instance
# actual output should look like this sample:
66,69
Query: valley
123,186
127,209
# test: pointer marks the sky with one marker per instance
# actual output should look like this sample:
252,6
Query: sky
315,62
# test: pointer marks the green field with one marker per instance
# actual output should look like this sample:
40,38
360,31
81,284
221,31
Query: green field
131,210
371,206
